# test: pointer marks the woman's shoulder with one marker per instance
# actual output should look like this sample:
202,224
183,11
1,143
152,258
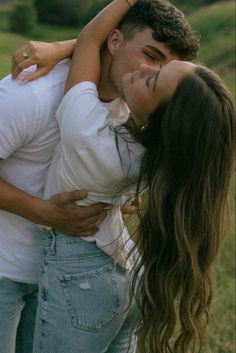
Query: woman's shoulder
82,88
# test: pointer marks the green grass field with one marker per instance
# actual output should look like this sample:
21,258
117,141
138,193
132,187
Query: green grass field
216,24
9,42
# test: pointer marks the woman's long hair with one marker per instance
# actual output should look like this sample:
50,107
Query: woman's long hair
187,167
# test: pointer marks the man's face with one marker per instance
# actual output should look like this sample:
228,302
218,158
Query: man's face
128,55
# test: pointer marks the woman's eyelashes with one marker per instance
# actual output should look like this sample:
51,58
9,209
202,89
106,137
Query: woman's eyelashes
148,81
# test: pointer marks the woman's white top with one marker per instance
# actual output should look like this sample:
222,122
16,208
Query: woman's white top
91,157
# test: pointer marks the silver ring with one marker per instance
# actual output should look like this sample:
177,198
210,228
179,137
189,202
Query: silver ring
25,55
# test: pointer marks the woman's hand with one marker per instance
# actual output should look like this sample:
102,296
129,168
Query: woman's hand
128,210
44,55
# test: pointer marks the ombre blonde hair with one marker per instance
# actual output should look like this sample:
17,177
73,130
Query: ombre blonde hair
187,167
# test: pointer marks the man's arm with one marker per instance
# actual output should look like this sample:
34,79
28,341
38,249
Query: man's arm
59,211
21,114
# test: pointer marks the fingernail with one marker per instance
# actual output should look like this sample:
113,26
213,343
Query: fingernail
83,193
107,208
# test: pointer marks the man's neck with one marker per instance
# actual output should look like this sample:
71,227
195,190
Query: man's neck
105,94
106,90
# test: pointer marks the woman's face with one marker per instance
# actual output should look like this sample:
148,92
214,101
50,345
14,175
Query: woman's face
145,88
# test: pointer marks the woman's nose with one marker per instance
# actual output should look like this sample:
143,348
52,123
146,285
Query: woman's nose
147,70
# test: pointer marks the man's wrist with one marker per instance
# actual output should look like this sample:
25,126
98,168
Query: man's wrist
37,211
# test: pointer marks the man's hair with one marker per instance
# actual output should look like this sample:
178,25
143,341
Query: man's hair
169,26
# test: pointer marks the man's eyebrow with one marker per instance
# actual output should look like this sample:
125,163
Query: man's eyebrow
157,51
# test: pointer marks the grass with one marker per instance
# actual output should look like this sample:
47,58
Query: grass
9,42
216,24
221,338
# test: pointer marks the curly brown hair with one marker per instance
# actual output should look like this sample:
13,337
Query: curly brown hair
168,23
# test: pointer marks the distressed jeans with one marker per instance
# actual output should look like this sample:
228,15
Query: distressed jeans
18,303
83,303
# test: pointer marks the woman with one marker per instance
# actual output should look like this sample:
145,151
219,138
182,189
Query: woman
178,145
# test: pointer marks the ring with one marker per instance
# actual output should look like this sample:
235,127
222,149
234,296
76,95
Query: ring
25,55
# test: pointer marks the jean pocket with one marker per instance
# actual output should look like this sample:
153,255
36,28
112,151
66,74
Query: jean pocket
92,297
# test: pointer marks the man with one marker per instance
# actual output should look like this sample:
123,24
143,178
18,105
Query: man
153,32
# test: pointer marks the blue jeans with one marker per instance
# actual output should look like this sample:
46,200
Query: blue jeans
83,300
18,304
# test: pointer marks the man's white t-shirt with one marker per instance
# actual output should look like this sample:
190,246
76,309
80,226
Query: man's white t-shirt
28,135
91,156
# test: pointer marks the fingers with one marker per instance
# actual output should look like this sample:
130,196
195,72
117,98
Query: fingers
93,210
72,218
128,209
93,221
66,199
86,227
19,66
21,59
91,225
32,76
77,195
87,233
69,197
32,53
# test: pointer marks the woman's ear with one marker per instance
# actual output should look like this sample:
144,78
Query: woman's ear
114,41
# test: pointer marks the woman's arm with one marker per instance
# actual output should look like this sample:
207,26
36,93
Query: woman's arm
44,55
85,64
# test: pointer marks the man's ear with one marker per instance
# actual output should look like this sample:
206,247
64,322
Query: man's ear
114,41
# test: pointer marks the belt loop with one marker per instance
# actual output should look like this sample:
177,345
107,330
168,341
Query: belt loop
52,243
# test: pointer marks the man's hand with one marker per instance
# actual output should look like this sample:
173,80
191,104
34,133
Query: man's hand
63,214
58,212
